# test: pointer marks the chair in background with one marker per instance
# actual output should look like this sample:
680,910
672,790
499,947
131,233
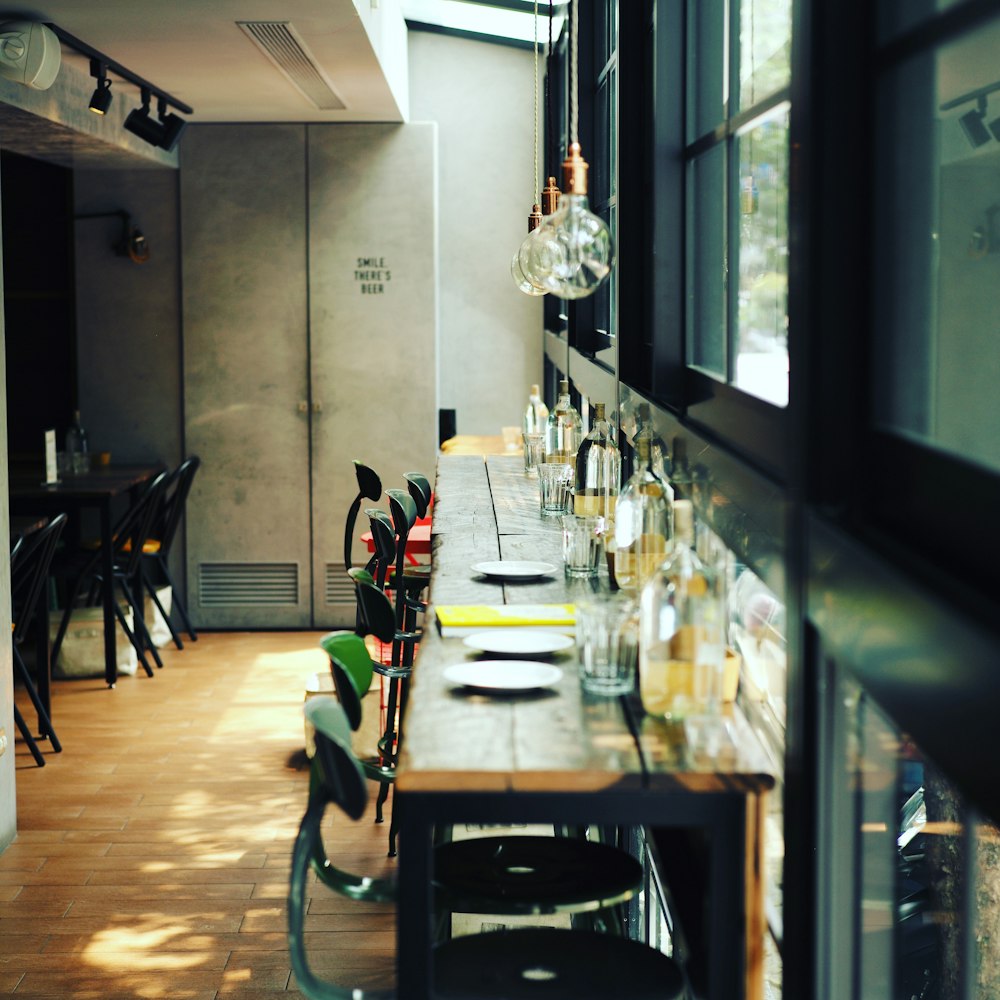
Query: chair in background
30,561
370,486
155,561
83,569
535,962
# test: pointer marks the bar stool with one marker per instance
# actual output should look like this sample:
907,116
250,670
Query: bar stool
543,963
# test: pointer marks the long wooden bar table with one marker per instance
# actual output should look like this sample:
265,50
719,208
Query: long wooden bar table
556,755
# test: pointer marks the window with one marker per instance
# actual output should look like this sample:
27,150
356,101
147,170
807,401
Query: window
737,122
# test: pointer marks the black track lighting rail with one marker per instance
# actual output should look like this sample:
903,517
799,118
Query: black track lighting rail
972,95
117,68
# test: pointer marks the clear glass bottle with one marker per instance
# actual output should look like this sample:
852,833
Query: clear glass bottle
682,619
643,522
77,445
537,413
563,430
598,470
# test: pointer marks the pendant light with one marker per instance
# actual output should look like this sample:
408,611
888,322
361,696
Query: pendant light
572,252
523,282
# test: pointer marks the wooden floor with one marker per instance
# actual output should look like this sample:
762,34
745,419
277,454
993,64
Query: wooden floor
152,854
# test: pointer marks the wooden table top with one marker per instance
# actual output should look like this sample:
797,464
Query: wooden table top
559,739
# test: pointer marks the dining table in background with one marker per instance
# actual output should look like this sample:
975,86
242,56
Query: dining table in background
98,489
558,754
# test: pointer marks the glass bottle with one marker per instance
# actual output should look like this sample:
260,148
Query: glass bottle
598,470
643,522
537,413
682,630
77,445
563,430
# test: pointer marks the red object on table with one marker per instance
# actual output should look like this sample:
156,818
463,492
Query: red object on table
418,542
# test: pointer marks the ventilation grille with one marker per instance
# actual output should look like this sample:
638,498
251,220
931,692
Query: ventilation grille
281,43
248,585
339,586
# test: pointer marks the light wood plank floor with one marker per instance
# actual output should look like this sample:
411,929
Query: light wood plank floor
152,854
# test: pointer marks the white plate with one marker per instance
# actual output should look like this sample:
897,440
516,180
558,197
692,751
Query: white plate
503,675
518,641
513,569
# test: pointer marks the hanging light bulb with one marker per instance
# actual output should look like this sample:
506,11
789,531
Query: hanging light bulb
534,259
572,252
522,281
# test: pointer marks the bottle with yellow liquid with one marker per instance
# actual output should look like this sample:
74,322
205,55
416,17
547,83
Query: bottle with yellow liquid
563,429
643,522
682,630
598,470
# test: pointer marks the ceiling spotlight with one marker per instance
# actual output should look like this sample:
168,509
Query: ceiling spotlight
101,100
139,123
973,127
173,126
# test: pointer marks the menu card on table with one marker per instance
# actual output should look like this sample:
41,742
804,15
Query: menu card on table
51,468
464,619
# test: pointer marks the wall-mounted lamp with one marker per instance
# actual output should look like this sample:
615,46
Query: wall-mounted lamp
973,124
101,100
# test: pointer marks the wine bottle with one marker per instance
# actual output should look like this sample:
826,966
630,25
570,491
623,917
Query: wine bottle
598,470
563,429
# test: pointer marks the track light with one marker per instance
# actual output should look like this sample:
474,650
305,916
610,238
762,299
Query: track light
172,126
139,123
973,127
101,100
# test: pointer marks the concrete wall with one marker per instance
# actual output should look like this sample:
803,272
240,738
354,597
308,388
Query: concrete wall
490,346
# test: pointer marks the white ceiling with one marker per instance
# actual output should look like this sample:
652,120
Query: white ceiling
194,50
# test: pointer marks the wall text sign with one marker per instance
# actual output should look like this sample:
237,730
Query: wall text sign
372,275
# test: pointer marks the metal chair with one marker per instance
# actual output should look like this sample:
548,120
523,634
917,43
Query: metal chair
30,561
83,569
370,486
537,963
156,549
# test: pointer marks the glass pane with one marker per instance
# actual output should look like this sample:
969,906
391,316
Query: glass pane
706,284
765,48
707,64
762,254
897,16
937,249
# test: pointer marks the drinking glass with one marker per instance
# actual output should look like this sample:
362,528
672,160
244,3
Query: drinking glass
607,643
534,452
555,484
583,544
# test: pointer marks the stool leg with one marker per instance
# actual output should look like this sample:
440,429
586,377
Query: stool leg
44,722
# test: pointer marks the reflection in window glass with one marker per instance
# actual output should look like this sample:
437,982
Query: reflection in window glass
762,345
913,871
706,283
765,48
938,250
707,91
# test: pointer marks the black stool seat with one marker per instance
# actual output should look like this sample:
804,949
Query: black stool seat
555,965
533,875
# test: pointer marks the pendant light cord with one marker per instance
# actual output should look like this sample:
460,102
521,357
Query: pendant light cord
548,99
534,161
574,59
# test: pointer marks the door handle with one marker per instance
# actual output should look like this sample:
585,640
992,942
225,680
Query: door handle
317,406
303,406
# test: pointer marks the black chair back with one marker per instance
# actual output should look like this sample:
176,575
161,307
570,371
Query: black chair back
174,501
384,540
370,486
343,780
420,491
136,525
29,570
377,615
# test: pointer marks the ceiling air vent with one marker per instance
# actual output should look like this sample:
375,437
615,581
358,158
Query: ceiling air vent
281,43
